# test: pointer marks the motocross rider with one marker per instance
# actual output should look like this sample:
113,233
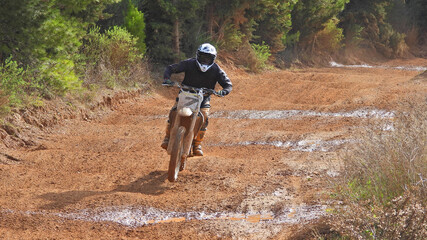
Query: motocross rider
200,72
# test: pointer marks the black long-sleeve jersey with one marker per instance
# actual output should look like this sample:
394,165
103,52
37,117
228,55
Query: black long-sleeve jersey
196,78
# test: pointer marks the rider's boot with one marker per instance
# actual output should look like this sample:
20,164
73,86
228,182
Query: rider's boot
165,142
197,143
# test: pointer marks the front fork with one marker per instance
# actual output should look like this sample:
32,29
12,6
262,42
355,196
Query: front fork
189,133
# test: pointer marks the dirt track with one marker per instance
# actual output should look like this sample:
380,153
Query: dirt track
269,146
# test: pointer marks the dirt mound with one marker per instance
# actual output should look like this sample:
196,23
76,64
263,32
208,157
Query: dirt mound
21,127
421,77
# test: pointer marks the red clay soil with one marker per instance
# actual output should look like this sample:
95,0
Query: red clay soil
262,176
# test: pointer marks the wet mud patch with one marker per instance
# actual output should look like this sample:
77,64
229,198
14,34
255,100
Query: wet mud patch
406,68
286,114
302,145
136,216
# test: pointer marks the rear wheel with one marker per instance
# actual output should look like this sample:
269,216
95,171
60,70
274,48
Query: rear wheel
176,153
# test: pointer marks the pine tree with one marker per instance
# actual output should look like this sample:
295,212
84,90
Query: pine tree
135,24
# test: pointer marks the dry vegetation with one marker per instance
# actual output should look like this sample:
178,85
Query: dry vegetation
383,189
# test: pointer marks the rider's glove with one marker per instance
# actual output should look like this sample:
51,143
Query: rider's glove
167,82
222,93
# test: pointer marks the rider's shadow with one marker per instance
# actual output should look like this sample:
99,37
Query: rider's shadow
63,199
151,184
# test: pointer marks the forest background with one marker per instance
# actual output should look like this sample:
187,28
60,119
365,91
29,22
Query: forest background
52,48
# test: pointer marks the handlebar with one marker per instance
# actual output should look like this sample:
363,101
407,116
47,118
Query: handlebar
194,89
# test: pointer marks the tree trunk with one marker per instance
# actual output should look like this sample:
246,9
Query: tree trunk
210,16
176,36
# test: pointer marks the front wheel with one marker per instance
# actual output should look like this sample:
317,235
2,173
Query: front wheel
176,153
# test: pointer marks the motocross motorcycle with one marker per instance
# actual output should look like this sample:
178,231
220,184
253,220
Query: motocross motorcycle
186,121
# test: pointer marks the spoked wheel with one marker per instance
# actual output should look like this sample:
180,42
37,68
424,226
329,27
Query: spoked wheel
175,160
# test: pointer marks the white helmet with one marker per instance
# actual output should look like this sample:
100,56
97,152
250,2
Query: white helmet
205,56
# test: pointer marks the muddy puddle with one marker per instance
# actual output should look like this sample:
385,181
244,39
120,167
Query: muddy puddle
407,68
305,145
286,114
132,216
301,146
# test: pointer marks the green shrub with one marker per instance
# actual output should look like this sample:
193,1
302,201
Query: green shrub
57,53
61,37
13,84
398,44
330,38
231,39
19,87
113,59
116,48
58,77
262,53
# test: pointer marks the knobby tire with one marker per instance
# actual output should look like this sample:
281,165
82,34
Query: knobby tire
175,160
